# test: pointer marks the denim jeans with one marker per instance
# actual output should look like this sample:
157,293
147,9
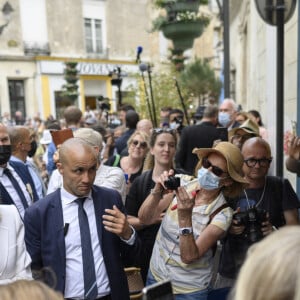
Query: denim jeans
199,295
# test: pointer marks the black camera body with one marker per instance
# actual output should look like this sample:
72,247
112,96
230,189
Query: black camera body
252,220
173,183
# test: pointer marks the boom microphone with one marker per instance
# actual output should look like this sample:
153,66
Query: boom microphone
139,50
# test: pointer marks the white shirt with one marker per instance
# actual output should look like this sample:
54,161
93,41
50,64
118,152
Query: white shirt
74,284
11,190
36,180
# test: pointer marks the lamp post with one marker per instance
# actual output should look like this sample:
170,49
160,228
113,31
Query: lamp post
116,79
276,13
6,11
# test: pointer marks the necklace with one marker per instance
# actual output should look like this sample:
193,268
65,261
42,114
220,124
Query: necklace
261,197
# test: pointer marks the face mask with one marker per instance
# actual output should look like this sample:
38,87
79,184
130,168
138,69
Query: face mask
33,149
208,180
5,153
174,125
224,118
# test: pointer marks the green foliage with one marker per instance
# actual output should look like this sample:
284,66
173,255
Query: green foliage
199,78
164,93
70,89
164,3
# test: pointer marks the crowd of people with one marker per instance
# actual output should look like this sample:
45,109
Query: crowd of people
194,204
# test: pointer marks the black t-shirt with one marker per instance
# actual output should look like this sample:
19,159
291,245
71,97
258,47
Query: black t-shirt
277,197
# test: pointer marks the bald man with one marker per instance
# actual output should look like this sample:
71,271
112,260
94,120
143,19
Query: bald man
268,203
56,230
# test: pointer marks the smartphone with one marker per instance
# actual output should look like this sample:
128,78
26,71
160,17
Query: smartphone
223,134
158,291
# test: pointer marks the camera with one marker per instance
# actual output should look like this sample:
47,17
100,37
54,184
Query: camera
173,183
251,219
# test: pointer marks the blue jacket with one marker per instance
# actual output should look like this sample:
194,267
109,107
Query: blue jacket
44,236
24,174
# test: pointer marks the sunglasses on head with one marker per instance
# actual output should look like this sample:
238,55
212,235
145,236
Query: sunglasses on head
136,143
163,130
216,170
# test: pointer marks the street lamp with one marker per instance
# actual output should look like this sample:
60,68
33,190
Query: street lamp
116,79
6,11
276,13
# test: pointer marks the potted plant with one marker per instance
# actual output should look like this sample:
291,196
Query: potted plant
181,27
179,5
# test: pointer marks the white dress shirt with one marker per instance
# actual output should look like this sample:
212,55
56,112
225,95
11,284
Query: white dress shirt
11,190
74,284
36,180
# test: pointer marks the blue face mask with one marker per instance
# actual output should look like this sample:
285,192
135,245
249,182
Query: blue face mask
224,118
208,180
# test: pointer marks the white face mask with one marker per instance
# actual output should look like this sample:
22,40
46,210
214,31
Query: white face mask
224,118
174,125
208,180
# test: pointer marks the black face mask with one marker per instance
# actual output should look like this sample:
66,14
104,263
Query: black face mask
33,149
5,153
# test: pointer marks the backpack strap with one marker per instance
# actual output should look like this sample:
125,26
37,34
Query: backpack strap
212,215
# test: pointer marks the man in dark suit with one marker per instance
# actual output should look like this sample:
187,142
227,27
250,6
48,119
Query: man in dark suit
197,136
16,184
56,237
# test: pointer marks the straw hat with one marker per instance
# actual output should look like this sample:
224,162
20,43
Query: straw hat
248,126
233,157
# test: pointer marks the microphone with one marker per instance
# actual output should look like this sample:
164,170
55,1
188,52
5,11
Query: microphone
143,67
139,50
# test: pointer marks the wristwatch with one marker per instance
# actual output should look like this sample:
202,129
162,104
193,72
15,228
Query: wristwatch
185,230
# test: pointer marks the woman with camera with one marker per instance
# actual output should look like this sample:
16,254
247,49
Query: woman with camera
160,158
195,220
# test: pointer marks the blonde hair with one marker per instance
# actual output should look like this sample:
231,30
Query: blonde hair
272,268
28,289
142,134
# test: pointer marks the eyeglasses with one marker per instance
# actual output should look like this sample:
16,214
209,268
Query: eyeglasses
136,143
262,162
163,130
216,170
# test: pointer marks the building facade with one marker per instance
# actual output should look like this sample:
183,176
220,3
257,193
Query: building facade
41,35
253,49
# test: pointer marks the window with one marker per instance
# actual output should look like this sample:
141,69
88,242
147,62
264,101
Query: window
93,35
16,96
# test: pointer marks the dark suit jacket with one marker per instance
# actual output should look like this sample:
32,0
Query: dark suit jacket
44,236
196,136
24,174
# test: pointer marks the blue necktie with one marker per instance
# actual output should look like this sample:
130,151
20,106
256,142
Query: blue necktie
16,186
89,274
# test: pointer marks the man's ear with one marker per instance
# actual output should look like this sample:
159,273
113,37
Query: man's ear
60,168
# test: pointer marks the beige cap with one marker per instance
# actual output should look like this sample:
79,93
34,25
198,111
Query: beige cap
248,126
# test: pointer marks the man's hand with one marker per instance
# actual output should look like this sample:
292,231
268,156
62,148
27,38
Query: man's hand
116,222
235,227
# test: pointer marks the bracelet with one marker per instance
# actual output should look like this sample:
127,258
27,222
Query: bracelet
157,192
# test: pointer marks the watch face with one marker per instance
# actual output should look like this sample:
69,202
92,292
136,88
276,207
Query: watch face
186,231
